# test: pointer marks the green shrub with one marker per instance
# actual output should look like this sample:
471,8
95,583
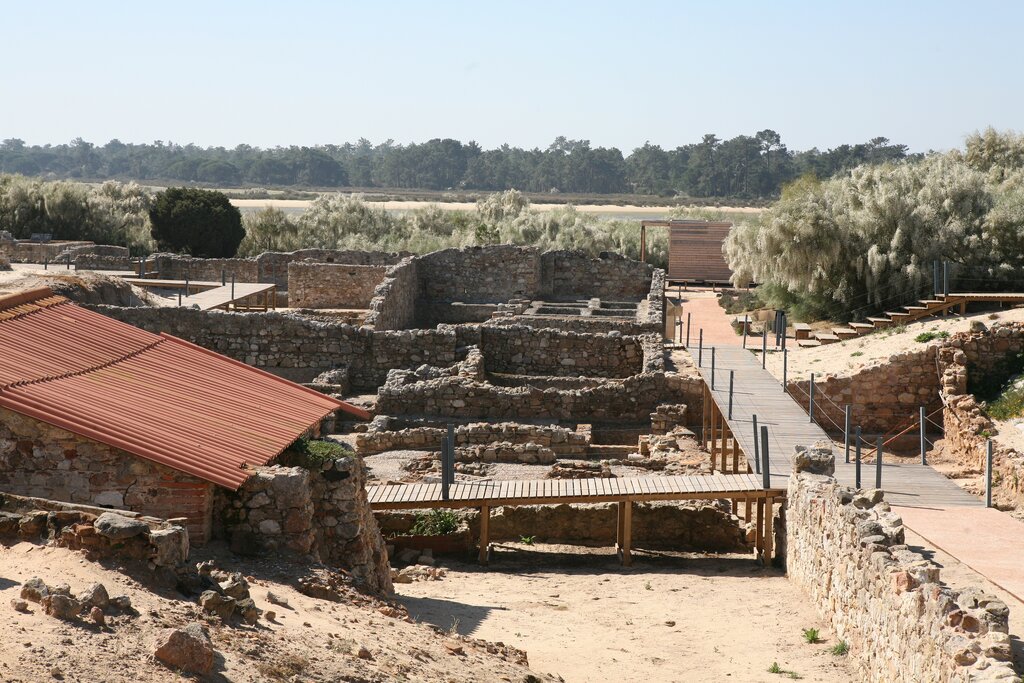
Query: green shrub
436,523
312,453
199,222
928,336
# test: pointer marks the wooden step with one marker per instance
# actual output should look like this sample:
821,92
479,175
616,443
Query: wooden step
826,338
861,328
880,322
807,343
931,302
916,308
845,332
801,331
897,314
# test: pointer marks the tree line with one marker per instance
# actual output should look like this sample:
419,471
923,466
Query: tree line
745,167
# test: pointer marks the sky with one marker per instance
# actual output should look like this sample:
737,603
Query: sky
221,73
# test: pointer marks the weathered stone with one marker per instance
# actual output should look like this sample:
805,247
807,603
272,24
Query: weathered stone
35,589
61,607
95,596
213,602
118,527
170,545
187,649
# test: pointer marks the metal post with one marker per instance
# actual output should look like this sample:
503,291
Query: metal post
988,473
687,330
856,455
846,432
757,447
784,322
46,263
764,347
179,297
878,464
712,367
810,410
186,285
444,468
766,467
223,277
924,441
232,286
451,453
731,373
746,319
785,368
936,277
700,349
945,278
68,259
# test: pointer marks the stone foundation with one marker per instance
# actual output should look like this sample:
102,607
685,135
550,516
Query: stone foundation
562,441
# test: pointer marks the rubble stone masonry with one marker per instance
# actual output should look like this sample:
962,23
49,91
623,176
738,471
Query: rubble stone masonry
332,285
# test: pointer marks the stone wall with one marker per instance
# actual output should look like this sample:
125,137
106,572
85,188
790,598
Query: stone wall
178,267
562,441
43,461
25,251
629,400
572,323
846,551
92,261
882,396
575,275
99,533
298,347
393,306
491,274
332,285
315,508
527,351
979,358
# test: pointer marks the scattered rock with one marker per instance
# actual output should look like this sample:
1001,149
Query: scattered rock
246,609
364,653
275,599
97,616
454,648
34,589
171,546
118,527
121,602
236,587
188,649
61,607
270,615
213,602
19,605
95,596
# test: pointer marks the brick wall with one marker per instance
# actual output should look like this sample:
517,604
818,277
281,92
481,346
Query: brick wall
43,461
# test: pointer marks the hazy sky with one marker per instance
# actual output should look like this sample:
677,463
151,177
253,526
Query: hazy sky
820,73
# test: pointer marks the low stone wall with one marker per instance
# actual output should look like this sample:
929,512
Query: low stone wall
297,347
25,251
393,306
526,351
561,440
652,312
92,261
574,274
332,285
632,399
846,551
43,461
881,396
573,323
178,267
696,526
316,508
99,533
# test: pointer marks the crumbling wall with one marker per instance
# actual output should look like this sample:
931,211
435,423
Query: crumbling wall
272,266
178,267
43,461
393,306
94,261
630,399
25,251
332,285
527,351
610,276
297,347
846,550
562,441
491,274
317,509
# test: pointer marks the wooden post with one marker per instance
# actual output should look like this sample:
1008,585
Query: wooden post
846,432
704,416
731,378
735,455
924,441
627,534
759,528
878,464
856,460
643,243
687,330
485,529
714,434
988,473
724,443
700,348
620,517
769,531
757,448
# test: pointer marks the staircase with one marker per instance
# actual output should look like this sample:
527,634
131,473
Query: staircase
924,308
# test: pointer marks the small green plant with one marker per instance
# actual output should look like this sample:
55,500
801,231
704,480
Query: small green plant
856,353
527,540
648,587
775,668
811,635
454,628
840,649
436,523
930,335
896,329
313,453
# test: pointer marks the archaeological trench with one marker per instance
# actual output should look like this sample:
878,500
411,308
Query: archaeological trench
553,365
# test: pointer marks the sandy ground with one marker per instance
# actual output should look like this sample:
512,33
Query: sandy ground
310,640
670,617
409,205
848,357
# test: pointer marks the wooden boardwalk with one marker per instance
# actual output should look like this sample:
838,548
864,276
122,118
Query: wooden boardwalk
757,393
622,491
210,295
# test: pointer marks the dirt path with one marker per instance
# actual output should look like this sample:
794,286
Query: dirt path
671,617
705,314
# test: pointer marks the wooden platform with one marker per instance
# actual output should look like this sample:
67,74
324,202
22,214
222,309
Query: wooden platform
756,392
209,295
623,491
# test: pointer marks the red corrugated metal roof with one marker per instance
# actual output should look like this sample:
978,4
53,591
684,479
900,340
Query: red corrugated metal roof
155,396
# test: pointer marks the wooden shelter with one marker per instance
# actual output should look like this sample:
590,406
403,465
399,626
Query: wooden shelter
694,249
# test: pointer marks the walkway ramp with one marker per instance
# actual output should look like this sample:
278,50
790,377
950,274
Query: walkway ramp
758,392
209,295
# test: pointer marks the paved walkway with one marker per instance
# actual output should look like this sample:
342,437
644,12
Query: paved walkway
757,393
705,313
